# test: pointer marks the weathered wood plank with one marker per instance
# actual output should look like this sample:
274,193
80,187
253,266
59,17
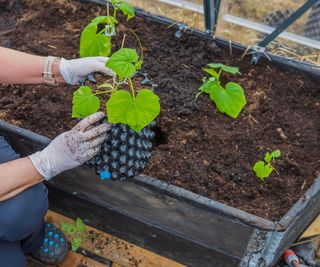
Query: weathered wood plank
119,251
159,208
73,260
312,230
150,235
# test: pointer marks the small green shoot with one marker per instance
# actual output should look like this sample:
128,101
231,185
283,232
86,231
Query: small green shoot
264,168
229,99
95,41
76,232
125,7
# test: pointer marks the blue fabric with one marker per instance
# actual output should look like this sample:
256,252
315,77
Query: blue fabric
6,151
22,227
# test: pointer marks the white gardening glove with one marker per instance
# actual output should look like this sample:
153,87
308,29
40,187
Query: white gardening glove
74,71
71,149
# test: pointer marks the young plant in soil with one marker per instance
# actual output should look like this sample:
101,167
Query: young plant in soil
96,38
229,99
136,109
76,232
131,111
263,169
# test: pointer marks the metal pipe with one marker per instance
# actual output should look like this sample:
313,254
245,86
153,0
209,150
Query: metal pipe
184,4
267,29
297,14
209,15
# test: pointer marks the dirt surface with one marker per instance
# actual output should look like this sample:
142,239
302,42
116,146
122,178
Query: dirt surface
196,147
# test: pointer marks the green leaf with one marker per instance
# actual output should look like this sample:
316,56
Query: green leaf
137,112
93,44
230,100
212,72
276,154
268,157
84,103
104,20
229,69
76,243
208,86
127,9
123,62
68,228
262,170
80,225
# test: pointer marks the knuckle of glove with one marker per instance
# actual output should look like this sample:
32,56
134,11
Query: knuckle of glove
91,153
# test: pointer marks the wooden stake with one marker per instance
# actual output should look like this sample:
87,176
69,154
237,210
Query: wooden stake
230,47
123,40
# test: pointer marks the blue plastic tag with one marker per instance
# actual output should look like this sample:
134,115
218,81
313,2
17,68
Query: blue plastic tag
104,175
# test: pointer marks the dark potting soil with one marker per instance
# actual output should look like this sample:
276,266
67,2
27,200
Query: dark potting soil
196,147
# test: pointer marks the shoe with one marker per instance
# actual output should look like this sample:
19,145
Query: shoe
55,246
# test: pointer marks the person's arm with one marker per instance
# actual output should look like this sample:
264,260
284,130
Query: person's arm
22,68
67,151
16,176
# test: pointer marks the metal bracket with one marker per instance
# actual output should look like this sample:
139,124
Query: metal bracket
259,49
181,28
146,80
110,30
261,249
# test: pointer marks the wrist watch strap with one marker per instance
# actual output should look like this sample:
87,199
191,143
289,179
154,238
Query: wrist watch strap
47,74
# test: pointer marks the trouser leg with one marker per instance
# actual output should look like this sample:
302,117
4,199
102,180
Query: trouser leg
6,151
11,254
21,217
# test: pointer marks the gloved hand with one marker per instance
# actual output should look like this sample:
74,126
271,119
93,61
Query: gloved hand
71,149
74,71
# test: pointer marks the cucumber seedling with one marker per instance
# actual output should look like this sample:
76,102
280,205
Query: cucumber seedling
96,38
130,110
263,169
136,109
76,232
229,99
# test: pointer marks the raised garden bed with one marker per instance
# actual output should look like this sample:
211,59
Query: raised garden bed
196,147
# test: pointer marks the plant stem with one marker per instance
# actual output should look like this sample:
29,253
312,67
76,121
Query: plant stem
108,12
132,88
115,11
218,78
117,85
219,73
123,40
104,92
140,44
103,30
